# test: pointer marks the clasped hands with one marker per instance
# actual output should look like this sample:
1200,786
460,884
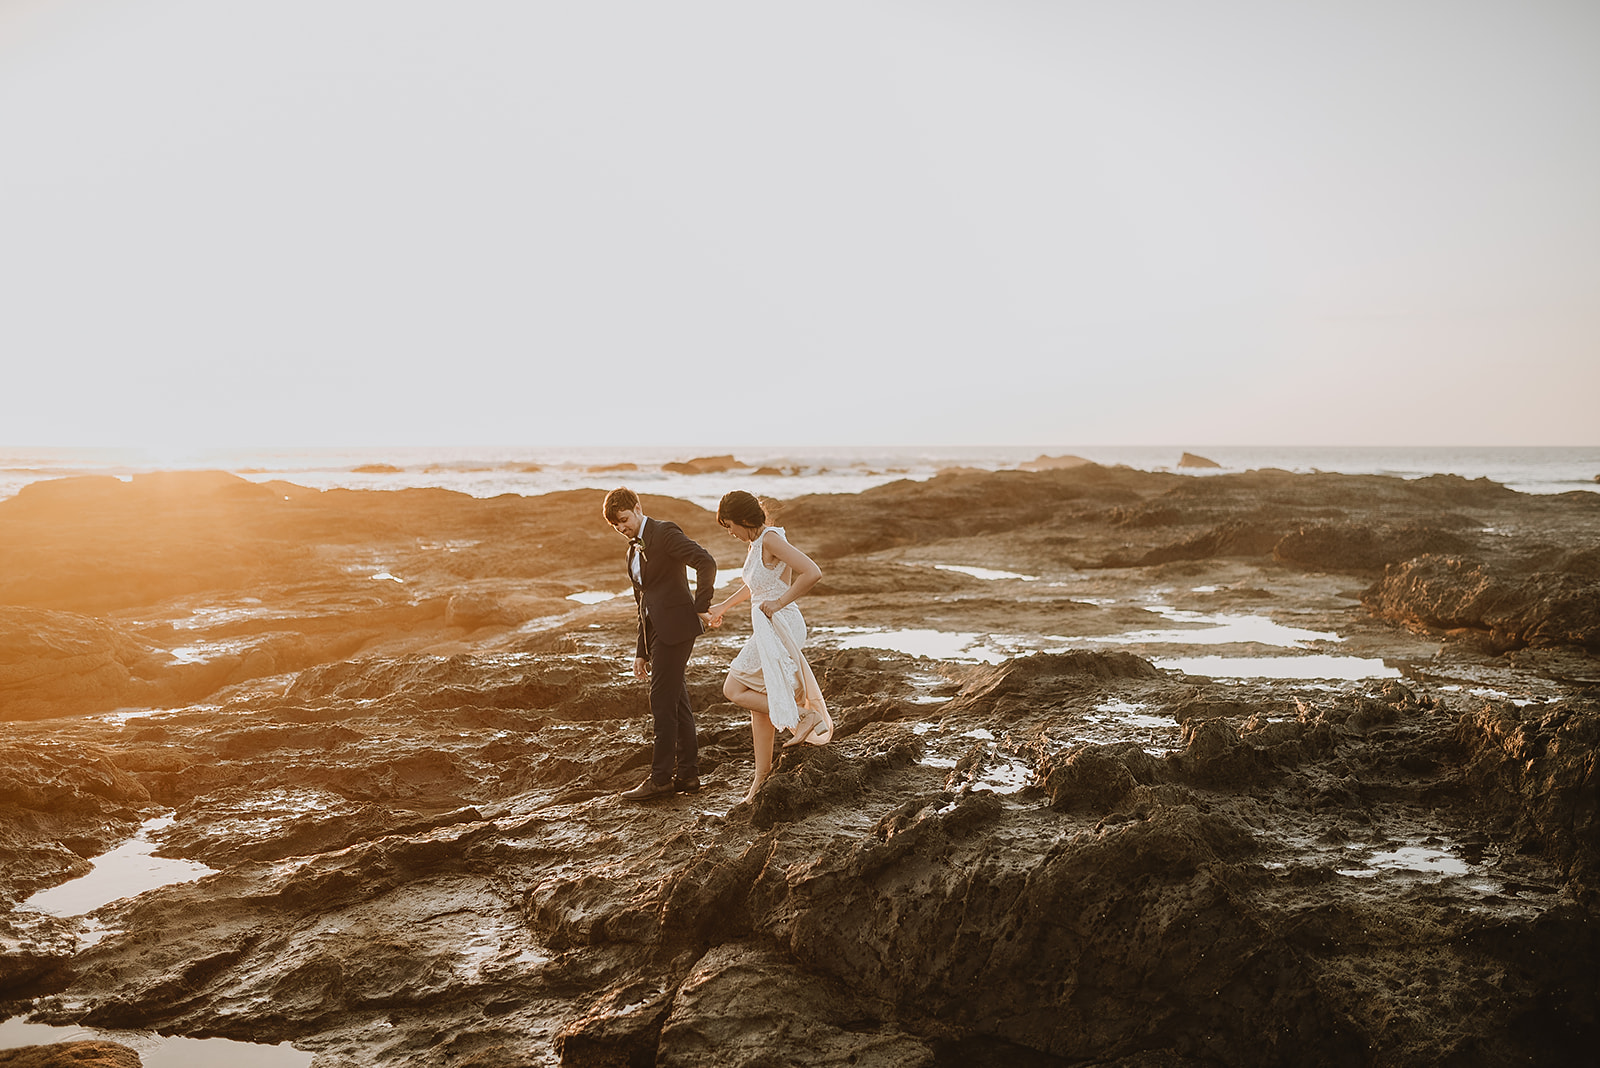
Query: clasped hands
713,618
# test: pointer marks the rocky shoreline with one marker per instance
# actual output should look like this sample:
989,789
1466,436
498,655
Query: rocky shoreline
383,721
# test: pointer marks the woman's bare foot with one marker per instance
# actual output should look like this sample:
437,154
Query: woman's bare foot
755,788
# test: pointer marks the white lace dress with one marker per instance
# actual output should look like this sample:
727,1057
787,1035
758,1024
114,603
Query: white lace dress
771,660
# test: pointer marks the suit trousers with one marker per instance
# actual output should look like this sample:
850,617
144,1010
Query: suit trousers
677,749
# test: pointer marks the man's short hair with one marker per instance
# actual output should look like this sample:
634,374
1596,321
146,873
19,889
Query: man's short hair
622,499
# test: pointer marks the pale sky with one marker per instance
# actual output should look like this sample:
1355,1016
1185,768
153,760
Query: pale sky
513,222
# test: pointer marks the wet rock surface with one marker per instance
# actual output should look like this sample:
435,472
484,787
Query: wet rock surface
1544,608
399,744
71,1055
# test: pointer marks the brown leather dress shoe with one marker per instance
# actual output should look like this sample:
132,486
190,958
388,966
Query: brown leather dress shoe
690,785
649,790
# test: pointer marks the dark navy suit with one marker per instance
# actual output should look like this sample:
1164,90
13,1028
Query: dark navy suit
669,622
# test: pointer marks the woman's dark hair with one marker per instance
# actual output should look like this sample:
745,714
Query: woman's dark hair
742,508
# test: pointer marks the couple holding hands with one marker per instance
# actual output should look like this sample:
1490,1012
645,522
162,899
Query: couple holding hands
769,676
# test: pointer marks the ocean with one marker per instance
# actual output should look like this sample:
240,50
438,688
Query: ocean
770,471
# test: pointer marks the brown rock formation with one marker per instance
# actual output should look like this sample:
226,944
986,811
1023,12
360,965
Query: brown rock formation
1509,612
408,784
71,1055
703,465
1052,463
1361,548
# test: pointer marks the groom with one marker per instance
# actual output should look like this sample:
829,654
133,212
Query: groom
669,621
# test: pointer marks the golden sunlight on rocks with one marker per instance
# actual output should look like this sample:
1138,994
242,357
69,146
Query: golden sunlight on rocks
1366,834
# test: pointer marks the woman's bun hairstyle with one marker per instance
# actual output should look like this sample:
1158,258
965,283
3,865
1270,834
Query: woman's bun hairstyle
742,508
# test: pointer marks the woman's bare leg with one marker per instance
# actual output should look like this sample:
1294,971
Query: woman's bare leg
761,729
761,735
744,696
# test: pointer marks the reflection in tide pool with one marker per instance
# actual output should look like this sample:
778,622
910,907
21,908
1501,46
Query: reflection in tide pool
1005,778
1348,668
1216,629
1132,713
1422,859
937,644
127,871
1419,858
127,715
157,1051
592,597
985,573
1118,720
971,646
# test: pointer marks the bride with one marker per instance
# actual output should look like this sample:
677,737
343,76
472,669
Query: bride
770,676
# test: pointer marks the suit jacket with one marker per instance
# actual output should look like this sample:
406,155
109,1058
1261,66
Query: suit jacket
666,608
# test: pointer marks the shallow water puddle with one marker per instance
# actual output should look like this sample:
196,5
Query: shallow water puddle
157,1051
126,871
1498,695
1437,860
1008,777
205,652
986,573
201,618
1119,720
970,646
592,597
1132,714
1205,629
1309,667
124,716
934,644
1217,629
998,774
1419,858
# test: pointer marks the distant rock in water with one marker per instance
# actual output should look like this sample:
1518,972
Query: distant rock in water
602,468
703,465
375,469
1052,463
1189,459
